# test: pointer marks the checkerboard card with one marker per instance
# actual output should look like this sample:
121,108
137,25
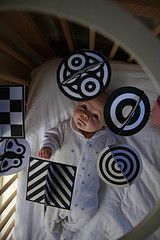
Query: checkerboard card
12,111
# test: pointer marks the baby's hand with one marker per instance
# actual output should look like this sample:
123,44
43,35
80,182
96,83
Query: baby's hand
45,152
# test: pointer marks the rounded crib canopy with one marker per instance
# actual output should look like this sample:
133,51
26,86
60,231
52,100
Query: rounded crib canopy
113,22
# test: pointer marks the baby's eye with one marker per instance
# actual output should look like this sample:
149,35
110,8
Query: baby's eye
84,107
96,116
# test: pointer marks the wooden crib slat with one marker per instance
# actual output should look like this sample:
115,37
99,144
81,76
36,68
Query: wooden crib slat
8,216
8,184
7,202
7,232
15,54
92,37
67,33
13,79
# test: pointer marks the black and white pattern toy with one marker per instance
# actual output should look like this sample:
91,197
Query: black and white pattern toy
83,75
127,111
12,111
50,183
14,155
119,165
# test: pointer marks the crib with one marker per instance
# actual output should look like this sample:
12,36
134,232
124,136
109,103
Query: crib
33,32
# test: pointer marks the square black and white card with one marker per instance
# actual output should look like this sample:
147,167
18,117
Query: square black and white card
50,183
12,111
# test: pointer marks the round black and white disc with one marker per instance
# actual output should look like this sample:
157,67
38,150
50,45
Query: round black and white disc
83,75
119,165
15,154
127,111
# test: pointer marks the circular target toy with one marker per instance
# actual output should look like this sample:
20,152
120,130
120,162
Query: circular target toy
15,154
83,75
127,111
119,165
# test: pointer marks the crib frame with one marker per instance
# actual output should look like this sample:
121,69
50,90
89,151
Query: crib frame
148,58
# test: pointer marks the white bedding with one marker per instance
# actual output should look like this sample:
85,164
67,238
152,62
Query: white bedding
120,208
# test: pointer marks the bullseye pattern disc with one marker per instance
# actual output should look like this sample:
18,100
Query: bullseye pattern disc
127,111
119,165
83,75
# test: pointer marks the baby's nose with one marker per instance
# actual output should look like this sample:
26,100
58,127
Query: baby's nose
85,116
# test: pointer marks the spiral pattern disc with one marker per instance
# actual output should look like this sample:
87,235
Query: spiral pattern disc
119,165
83,75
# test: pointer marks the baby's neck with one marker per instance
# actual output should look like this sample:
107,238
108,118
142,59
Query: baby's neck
87,134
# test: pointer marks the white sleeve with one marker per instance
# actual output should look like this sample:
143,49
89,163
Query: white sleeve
53,138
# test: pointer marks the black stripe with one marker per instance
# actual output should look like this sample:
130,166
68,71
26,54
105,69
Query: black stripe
34,175
40,199
54,192
35,165
39,181
66,170
35,192
47,201
59,185
62,177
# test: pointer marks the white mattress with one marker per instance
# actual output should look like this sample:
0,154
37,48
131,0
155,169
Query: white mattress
120,209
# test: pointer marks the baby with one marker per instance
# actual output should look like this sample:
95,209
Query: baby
77,142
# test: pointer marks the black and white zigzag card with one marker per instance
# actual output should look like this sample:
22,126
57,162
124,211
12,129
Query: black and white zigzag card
83,75
127,111
119,165
50,183
12,111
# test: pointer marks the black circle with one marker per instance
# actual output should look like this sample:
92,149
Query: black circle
76,61
15,161
131,118
64,73
4,164
18,149
9,144
130,163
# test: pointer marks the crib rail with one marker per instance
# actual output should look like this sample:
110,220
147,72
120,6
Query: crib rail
8,194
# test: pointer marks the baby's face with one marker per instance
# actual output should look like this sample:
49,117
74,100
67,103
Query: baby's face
88,115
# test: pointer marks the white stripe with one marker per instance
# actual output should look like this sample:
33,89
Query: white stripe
57,200
59,191
61,182
51,203
40,167
36,188
71,170
65,175
37,178
36,196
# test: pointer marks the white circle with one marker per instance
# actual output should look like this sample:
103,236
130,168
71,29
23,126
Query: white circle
126,111
81,57
114,107
139,120
84,82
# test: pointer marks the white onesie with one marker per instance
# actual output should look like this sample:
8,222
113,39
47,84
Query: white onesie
71,147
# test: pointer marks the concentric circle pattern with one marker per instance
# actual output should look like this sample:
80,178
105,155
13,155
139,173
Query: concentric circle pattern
127,111
119,165
83,75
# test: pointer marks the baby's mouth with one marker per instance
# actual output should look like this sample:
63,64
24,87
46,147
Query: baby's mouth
81,121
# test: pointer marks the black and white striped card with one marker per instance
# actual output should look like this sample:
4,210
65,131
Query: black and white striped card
50,183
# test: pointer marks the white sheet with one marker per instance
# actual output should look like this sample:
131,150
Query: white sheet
120,208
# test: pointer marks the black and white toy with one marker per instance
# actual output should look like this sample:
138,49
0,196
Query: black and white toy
119,165
127,111
14,155
83,75
50,183
12,111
